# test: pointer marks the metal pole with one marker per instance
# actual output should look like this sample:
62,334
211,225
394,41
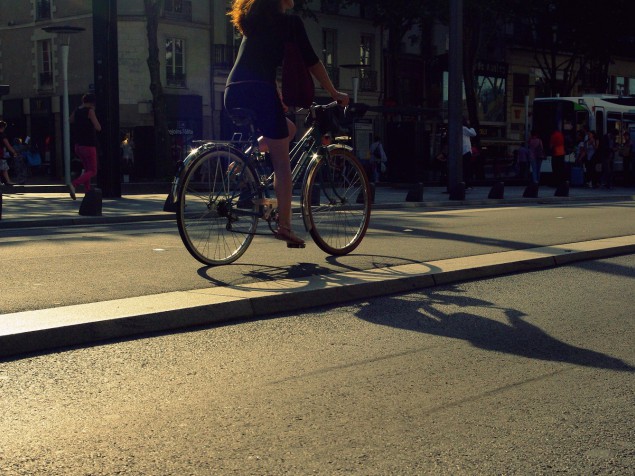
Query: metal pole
66,116
455,95
526,118
355,87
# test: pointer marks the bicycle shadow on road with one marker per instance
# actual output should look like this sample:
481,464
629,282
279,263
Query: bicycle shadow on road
516,337
248,273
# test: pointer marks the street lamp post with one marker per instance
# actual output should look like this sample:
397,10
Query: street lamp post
65,30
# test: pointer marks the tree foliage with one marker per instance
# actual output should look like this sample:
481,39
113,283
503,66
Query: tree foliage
575,40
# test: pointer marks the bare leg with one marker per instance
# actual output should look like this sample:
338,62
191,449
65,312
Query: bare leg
279,150
7,180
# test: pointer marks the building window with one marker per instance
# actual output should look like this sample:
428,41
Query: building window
521,88
623,86
329,54
366,50
178,10
43,9
329,46
368,77
175,63
45,65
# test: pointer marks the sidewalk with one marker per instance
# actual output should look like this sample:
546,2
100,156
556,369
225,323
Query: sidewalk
38,209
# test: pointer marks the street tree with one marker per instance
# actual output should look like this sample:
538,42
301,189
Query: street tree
574,40
161,136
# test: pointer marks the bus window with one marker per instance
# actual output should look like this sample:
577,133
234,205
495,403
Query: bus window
599,123
582,119
629,120
613,121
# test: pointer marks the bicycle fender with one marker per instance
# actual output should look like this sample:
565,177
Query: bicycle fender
182,167
339,146
187,163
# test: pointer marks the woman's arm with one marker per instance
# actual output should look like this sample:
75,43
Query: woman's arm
319,72
9,147
93,118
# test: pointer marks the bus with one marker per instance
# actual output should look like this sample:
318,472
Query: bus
599,113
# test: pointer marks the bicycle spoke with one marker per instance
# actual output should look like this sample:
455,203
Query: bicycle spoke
208,200
339,221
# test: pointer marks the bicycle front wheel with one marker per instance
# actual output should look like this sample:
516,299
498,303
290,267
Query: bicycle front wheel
336,202
217,206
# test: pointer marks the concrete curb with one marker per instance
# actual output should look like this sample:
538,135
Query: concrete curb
153,215
36,331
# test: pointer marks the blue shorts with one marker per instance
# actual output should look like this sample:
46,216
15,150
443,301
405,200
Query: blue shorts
262,98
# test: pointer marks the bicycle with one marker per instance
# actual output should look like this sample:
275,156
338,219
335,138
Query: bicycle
222,189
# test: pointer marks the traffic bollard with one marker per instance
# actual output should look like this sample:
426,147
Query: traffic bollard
91,204
497,191
531,191
415,194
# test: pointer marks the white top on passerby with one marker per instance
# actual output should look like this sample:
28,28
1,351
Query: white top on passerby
467,143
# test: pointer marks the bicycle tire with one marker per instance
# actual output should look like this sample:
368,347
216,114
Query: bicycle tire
209,217
337,202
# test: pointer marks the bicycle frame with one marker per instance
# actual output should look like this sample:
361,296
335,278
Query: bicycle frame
302,154
223,189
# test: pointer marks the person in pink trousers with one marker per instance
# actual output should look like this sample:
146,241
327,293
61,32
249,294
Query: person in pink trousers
86,128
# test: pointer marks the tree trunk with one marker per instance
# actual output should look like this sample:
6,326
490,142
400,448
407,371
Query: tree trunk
471,45
161,136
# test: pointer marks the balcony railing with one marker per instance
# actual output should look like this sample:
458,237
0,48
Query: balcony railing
178,10
224,55
178,80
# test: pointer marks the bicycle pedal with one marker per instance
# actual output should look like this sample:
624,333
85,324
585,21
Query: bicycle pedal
296,245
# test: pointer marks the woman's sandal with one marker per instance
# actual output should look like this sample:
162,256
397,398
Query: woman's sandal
285,234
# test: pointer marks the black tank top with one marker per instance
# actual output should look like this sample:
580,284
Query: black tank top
85,133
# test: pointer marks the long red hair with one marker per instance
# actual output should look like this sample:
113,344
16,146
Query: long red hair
245,14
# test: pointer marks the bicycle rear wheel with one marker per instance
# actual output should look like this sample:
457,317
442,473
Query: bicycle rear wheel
337,202
217,206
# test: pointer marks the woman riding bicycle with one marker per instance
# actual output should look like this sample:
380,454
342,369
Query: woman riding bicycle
252,84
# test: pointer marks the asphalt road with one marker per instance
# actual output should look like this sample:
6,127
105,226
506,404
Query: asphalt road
531,373
50,267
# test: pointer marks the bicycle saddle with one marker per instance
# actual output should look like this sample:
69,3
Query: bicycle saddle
242,117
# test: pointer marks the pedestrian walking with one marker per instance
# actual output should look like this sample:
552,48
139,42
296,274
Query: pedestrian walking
522,158
536,156
608,148
468,133
626,153
590,163
556,144
378,158
5,148
86,128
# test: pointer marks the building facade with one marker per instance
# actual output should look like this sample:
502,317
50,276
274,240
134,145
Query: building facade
197,46
196,49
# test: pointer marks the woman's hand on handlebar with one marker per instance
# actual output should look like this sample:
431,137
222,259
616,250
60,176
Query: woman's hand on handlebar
341,98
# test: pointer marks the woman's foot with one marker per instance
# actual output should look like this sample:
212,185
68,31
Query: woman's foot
71,191
285,234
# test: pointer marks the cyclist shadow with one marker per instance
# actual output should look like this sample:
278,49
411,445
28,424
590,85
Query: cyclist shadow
265,273
516,337
258,273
